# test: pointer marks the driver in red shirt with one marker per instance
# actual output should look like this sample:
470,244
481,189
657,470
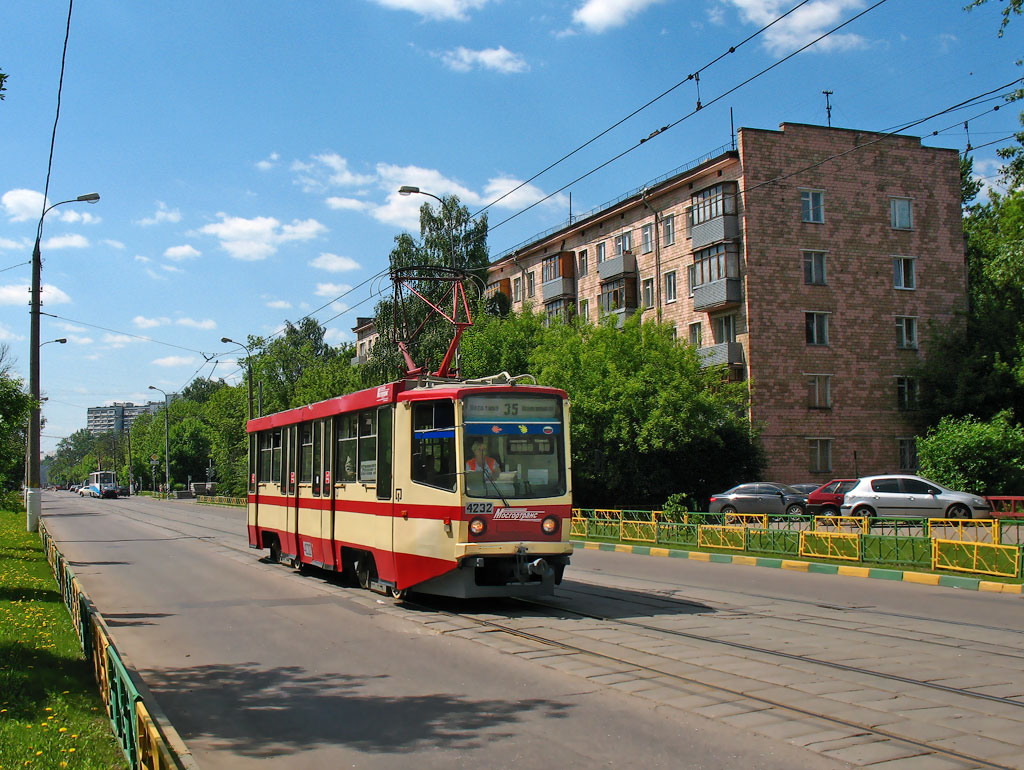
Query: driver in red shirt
480,461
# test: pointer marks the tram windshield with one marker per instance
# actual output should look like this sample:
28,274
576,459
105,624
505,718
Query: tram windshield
514,446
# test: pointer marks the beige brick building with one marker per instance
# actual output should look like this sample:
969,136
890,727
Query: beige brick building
809,261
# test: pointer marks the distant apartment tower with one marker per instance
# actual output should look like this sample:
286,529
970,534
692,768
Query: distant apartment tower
118,416
808,262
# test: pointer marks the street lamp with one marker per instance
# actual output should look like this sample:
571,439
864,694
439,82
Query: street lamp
61,340
410,190
248,362
167,443
32,493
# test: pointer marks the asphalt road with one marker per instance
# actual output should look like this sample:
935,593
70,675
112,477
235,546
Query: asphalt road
672,663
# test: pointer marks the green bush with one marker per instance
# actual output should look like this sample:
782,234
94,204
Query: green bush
985,458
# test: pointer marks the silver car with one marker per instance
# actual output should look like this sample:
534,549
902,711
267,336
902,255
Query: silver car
911,496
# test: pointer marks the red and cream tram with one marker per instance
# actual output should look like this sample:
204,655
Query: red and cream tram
440,486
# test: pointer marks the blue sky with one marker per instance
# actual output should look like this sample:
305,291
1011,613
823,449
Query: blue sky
248,154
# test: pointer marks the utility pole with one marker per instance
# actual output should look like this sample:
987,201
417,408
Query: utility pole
828,107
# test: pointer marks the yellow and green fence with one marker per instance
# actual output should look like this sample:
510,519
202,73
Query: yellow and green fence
982,546
141,738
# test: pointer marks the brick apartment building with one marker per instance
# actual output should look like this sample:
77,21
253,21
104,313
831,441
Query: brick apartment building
809,261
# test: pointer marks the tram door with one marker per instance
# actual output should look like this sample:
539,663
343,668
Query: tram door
290,490
323,490
385,484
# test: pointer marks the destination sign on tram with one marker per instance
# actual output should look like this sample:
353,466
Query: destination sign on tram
511,407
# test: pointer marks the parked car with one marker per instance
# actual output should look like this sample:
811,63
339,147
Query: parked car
827,499
911,496
761,497
805,488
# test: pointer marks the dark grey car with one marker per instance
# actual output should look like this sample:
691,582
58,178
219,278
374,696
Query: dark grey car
761,497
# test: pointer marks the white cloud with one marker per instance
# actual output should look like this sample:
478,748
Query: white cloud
149,323
113,244
269,162
436,10
7,243
116,340
155,275
179,253
18,294
140,258
599,16
404,210
70,327
69,241
259,237
498,59
171,269
79,339
22,205
336,335
803,25
331,289
333,263
207,323
79,217
279,304
6,335
525,196
175,361
340,173
162,214
347,204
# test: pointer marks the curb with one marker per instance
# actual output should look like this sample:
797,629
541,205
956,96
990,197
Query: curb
922,578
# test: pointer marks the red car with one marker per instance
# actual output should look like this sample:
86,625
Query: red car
826,499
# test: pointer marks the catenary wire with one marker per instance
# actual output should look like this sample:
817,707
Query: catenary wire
688,78
126,334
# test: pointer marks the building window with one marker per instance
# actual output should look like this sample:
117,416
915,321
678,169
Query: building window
600,252
613,295
623,243
648,292
517,289
724,328
711,203
906,332
549,269
670,286
901,214
906,393
903,273
583,263
531,284
668,229
816,325
585,309
814,268
821,455
908,454
695,334
714,264
691,278
819,391
647,239
812,206
555,310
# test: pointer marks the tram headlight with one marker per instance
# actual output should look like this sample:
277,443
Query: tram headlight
550,525
477,527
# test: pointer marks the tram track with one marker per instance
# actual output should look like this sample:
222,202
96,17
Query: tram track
692,683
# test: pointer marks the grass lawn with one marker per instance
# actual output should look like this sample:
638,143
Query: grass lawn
51,715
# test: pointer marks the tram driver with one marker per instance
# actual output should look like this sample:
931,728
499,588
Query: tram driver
481,462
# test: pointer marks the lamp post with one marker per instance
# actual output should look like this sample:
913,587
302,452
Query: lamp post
248,362
167,443
32,493
410,190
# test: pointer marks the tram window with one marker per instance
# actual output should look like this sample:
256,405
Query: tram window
433,444
305,453
318,448
345,457
384,419
368,446
270,456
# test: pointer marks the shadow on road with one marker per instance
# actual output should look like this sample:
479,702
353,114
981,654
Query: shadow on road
278,711
134,618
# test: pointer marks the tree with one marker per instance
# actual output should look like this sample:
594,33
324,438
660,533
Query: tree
15,407
450,239
983,457
284,359
3,84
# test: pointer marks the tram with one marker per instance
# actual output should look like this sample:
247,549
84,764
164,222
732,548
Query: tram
443,486
102,484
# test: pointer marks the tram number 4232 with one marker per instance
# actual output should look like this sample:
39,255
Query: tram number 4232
472,508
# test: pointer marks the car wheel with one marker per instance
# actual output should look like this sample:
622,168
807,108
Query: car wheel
829,510
728,509
795,510
958,511
864,510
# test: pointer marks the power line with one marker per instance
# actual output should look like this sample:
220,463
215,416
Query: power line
692,76
20,264
672,125
126,334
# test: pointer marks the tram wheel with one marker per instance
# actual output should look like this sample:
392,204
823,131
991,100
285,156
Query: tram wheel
398,594
275,551
366,571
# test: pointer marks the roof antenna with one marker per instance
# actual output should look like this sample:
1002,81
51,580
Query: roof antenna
828,108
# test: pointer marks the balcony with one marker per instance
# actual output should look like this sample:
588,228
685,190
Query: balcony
356,360
717,294
723,228
620,315
727,353
559,288
619,265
